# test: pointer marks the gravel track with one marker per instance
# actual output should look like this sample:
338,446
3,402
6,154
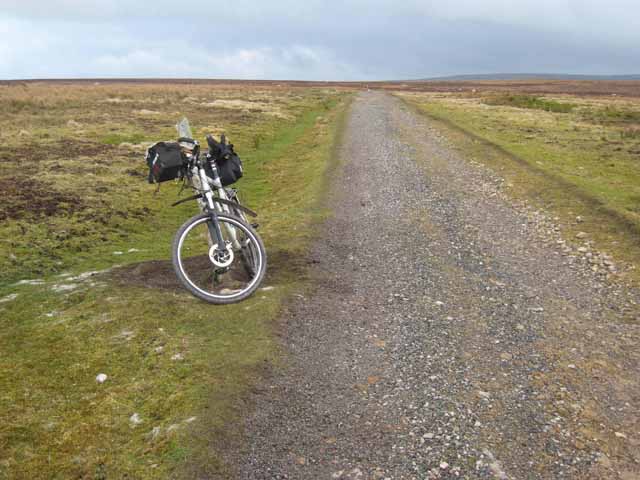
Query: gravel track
446,335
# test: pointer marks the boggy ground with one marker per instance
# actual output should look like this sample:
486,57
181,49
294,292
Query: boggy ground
446,336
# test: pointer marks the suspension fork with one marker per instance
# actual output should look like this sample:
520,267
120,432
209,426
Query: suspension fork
214,224
214,208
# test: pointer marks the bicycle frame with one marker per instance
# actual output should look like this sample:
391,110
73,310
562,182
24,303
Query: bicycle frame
203,183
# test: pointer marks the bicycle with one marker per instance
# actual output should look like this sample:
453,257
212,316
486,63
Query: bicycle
217,254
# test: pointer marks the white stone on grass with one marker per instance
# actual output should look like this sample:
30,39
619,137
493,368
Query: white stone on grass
65,287
35,281
155,433
85,275
9,298
135,419
101,378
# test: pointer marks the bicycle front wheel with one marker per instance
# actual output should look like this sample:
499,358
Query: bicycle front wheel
213,277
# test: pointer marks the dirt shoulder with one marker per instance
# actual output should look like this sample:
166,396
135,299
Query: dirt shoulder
446,336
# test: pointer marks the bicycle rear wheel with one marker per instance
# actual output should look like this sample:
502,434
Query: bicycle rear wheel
212,276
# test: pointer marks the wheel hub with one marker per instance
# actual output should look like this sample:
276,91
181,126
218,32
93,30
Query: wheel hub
221,258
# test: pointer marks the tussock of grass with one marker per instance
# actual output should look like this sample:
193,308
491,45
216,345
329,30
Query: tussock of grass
118,138
612,115
531,102
632,132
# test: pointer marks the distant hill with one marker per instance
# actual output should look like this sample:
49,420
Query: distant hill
530,76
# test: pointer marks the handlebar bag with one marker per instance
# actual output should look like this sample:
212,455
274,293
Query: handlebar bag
229,168
227,161
165,161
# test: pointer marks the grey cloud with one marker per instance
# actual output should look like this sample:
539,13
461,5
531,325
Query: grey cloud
316,39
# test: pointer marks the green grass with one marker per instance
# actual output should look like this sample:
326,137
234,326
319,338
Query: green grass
183,366
531,102
118,138
101,200
611,115
569,166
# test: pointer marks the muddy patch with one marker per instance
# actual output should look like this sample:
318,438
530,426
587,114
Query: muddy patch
48,150
151,274
286,263
27,197
282,264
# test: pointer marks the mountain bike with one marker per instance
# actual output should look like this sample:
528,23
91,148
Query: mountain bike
217,254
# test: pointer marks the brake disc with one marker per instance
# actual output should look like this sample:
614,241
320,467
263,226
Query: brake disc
221,258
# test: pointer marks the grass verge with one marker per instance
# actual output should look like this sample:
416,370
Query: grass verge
586,173
531,102
293,224
177,369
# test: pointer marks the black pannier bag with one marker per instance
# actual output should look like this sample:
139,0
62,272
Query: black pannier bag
229,169
165,162
228,162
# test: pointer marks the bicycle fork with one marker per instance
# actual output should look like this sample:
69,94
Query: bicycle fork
214,225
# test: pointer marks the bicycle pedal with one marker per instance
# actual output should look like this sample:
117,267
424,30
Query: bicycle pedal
255,225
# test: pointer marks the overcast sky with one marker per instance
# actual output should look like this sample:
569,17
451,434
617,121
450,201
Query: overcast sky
316,39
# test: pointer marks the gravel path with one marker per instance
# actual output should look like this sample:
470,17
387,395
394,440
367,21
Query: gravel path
449,334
